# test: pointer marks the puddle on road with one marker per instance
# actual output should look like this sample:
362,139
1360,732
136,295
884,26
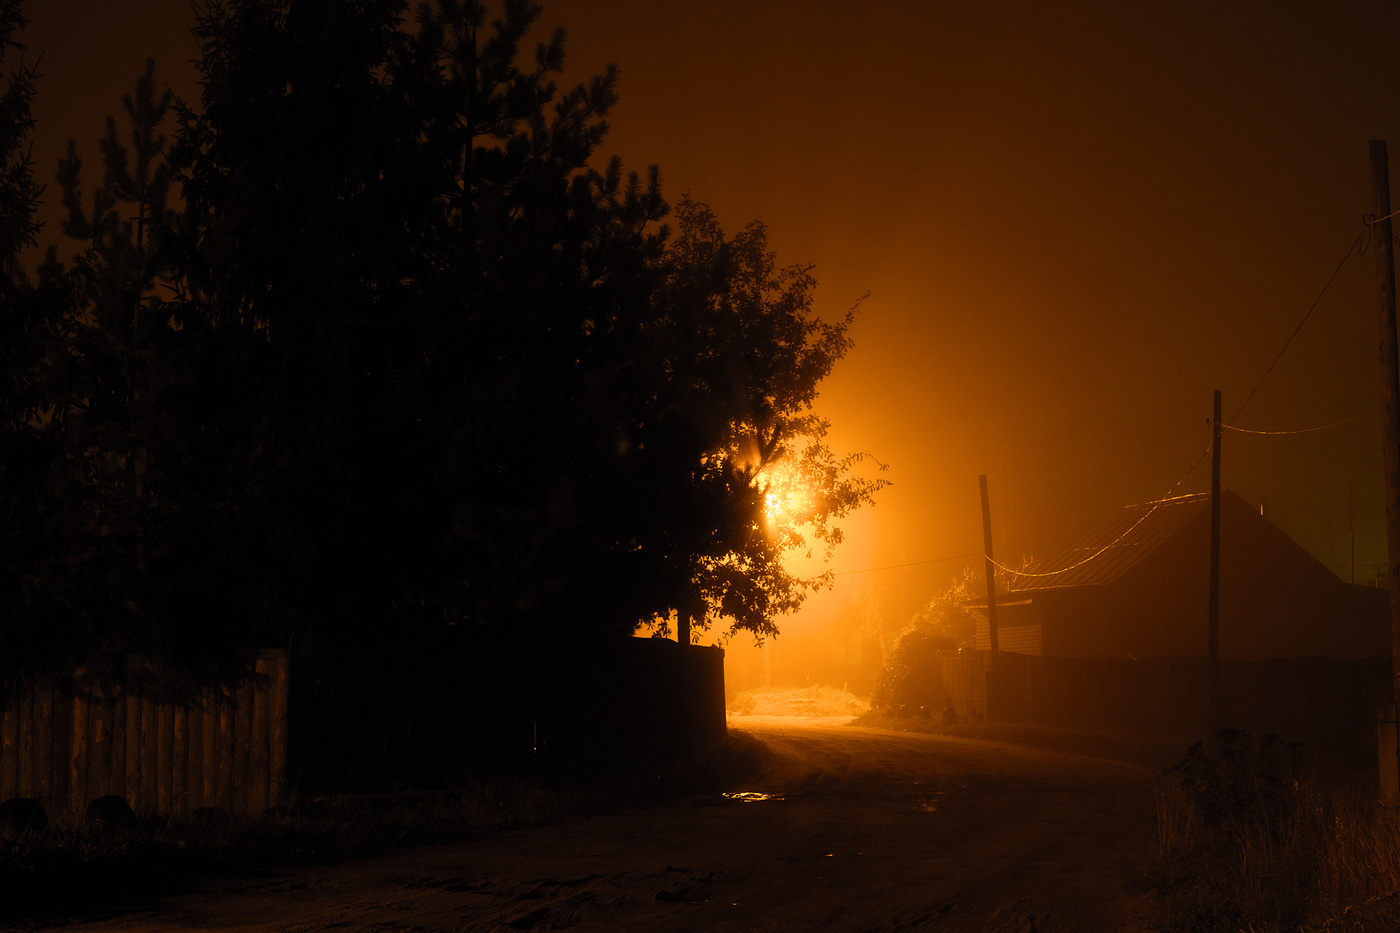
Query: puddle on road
928,800
929,803
749,796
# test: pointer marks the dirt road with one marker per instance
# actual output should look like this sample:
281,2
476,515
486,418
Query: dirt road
848,829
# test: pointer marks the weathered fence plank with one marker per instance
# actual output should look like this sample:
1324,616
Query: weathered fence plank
118,763
226,746
61,751
78,755
100,749
27,748
194,778
242,733
257,741
209,757
133,705
179,761
150,737
165,727
43,745
277,717
9,753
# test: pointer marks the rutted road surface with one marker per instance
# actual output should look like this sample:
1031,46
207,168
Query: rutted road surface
863,829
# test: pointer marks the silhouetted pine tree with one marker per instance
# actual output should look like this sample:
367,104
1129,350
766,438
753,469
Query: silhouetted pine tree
33,318
130,583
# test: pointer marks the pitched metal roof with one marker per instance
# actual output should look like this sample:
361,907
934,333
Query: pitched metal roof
1117,545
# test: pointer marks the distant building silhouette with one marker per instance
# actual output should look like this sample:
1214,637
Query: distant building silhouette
1142,592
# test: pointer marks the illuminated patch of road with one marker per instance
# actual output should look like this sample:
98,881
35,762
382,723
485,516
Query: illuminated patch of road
749,796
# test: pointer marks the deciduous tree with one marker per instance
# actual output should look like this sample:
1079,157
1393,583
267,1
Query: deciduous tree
410,360
738,359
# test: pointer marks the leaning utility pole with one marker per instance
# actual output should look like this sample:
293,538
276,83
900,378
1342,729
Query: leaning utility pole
1390,396
994,663
991,571
1214,710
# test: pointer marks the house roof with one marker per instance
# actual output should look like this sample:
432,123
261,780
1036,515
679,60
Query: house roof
1116,545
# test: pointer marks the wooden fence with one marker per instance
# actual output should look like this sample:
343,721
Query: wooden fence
229,751
1330,705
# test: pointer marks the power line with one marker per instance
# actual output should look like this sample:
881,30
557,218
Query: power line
1312,307
1055,573
1205,453
1316,301
1168,497
1322,427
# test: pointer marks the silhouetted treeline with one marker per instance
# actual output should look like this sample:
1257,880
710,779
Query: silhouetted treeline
362,347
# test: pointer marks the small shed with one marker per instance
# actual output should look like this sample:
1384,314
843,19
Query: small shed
1137,586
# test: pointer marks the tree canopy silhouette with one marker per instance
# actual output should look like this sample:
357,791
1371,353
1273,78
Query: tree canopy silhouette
402,358
34,319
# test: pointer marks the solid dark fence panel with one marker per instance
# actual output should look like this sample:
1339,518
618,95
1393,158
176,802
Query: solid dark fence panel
480,704
162,757
1327,705
629,702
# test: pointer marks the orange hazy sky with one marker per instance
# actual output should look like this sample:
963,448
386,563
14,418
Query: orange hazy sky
1074,220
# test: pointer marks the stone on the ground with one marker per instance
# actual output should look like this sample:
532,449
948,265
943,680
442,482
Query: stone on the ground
21,814
111,814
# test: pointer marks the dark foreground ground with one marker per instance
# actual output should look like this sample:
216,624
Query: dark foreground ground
846,828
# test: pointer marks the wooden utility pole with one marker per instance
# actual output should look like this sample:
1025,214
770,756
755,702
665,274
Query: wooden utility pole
991,571
993,684
1390,397
1214,712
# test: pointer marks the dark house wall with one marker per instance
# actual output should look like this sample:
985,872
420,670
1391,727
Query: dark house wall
1276,601
1020,627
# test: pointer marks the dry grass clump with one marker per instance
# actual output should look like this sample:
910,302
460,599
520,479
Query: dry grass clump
811,701
1245,844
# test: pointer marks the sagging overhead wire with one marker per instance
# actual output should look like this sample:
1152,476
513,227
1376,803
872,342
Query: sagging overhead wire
1359,242
1312,307
1055,573
1352,248
1371,220
1321,427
